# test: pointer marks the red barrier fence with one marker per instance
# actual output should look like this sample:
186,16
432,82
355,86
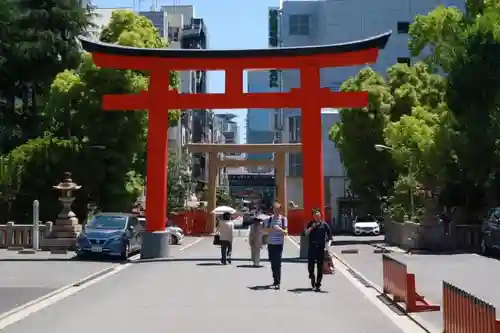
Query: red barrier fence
465,313
401,285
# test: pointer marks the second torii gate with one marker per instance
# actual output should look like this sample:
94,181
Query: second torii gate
214,163
310,97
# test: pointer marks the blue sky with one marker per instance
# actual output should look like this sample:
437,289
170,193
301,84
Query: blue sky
231,24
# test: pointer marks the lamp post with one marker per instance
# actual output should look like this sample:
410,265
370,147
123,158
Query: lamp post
380,148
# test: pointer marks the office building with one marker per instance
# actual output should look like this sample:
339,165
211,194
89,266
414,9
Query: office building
260,126
231,129
303,23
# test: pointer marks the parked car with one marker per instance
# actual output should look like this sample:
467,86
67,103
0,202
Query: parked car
176,234
366,225
490,241
113,234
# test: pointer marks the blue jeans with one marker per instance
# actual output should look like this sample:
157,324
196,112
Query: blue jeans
275,252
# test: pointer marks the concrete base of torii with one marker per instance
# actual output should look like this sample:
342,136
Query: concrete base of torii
155,245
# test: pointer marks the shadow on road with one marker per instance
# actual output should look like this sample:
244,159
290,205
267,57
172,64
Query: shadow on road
71,259
249,266
285,260
36,259
208,264
259,288
354,241
306,290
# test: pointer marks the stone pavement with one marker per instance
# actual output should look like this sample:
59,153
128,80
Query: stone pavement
473,273
191,292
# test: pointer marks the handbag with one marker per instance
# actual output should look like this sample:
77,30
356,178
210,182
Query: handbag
328,265
216,239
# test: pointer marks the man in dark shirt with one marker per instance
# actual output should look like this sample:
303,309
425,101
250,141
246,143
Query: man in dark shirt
319,234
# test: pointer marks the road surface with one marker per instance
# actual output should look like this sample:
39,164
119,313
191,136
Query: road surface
473,273
191,292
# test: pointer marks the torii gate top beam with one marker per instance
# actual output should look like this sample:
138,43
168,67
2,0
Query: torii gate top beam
281,58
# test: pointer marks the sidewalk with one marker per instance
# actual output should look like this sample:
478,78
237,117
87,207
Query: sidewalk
192,292
473,273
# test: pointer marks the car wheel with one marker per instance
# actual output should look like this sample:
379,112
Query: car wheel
484,247
125,252
173,240
81,255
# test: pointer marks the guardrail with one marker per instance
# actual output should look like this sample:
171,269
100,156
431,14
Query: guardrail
466,313
400,284
19,236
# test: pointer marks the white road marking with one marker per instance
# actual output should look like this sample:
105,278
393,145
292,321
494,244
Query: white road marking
23,311
187,246
402,322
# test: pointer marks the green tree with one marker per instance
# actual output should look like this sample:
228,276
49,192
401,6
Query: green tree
392,102
421,146
76,111
462,45
223,198
442,31
473,96
179,182
38,40
30,171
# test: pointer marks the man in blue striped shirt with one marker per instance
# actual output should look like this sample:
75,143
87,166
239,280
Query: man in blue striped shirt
276,229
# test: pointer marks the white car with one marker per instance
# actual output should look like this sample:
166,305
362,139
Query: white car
176,233
366,225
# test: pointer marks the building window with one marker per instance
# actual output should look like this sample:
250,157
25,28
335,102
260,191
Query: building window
173,34
295,164
404,60
299,25
294,129
273,78
403,27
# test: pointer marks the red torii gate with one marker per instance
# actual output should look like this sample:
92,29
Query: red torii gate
310,97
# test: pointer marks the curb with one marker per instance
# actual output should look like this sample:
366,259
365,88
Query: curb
27,251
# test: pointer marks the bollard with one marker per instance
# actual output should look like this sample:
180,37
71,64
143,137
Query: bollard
36,225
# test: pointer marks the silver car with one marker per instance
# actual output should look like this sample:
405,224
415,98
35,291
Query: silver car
175,232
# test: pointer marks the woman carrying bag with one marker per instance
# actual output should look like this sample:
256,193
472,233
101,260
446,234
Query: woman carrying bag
255,240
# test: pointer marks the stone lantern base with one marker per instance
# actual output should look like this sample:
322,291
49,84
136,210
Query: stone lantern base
63,235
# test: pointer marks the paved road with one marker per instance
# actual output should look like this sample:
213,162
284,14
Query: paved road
473,273
192,292
25,277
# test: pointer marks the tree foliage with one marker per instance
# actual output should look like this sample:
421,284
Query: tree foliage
37,41
409,96
442,130
223,196
179,182
75,110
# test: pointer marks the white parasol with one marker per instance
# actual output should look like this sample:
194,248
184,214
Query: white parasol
223,209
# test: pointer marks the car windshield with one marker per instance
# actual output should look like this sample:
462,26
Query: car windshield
367,218
109,222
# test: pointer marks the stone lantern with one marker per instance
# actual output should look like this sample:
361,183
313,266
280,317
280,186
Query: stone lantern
66,228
